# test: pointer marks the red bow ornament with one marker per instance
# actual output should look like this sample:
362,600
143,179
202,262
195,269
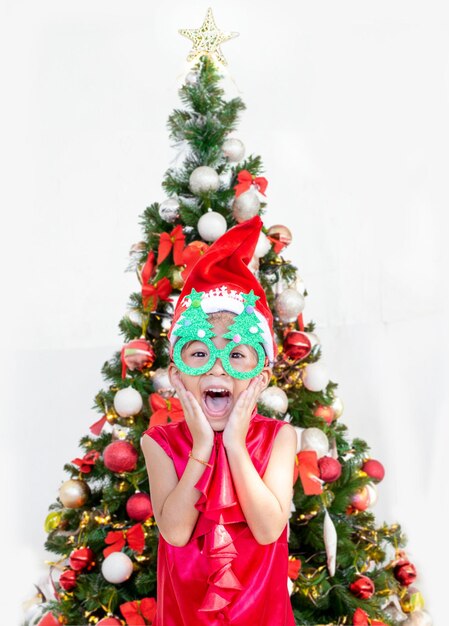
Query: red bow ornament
117,539
360,618
152,293
294,565
87,462
139,612
246,180
174,240
309,472
165,408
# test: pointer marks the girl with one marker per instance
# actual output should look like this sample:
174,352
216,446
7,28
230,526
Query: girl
221,480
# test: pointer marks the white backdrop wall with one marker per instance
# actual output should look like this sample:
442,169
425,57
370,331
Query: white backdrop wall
347,104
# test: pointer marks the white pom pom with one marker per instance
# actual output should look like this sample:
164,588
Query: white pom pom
315,377
315,439
117,567
128,402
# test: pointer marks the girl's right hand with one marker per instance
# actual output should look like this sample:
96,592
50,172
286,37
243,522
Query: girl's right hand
200,429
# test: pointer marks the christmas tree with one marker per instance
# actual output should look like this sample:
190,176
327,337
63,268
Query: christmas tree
344,568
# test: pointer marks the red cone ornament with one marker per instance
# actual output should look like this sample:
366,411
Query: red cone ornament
67,580
362,587
81,558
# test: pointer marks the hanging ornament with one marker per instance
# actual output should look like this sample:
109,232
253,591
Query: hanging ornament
161,382
374,469
120,456
360,499
288,305
67,580
337,405
190,256
405,572
275,399
326,413
137,355
117,567
233,149
418,618
138,507
245,206
372,494
314,439
109,621
297,345
74,493
207,39
281,237
330,469
81,558
191,78
362,587
211,226
52,521
315,377
263,246
169,210
330,542
176,278
203,179
119,433
128,402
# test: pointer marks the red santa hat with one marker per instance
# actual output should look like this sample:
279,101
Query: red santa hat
222,273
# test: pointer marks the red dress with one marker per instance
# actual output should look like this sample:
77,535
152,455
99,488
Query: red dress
222,575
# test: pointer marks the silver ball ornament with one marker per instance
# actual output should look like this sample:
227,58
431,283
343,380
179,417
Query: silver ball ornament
204,179
211,226
315,439
233,149
117,567
289,305
245,206
169,210
191,78
274,398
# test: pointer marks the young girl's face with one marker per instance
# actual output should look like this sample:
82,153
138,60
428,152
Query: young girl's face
216,391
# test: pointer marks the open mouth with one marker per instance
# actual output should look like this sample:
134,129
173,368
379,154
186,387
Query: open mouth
217,401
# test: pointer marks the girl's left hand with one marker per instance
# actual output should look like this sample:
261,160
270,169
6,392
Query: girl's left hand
236,429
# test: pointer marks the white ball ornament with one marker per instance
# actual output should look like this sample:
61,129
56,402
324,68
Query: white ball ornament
315,439
263,246
233,149
274,398
245,206
289,305
204,179
372,492
117,567
128,402
315,377
169,210
191,78
337,405
211,226
418,618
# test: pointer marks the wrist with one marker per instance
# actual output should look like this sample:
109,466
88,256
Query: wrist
202,451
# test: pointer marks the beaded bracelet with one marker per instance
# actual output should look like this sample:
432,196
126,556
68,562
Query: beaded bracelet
199,460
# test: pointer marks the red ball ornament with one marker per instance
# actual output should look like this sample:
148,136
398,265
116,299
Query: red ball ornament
374,469
139,507
330,469
360,499
81,558
325,412
109,621
362,587
297,345
49,620
405,572
136,355
120,456
67,580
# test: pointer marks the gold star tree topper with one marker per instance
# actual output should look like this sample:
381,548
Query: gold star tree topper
207,39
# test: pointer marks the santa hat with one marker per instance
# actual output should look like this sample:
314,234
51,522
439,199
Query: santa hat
222,273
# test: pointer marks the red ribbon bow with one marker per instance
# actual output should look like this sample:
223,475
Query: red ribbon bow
294,565
246,179
152,293
174,240
97,427
165,408
88,461
139,612
360,618
117,539
309,472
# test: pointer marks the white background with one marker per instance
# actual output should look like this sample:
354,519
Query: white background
347,103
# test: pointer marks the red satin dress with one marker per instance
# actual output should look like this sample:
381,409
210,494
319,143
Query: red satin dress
222,575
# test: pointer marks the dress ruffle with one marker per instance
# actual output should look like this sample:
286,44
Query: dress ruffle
219,506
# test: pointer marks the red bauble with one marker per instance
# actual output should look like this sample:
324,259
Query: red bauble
109,621
81,558
120,456
67,580
360,499
374,469
326,412
139,507
362,587
405,572
49,620
297,345
136,355
330,469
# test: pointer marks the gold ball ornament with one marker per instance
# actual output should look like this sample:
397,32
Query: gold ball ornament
52,521
177,281
281,233
74,493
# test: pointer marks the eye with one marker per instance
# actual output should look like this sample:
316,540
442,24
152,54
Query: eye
235,354
199,354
